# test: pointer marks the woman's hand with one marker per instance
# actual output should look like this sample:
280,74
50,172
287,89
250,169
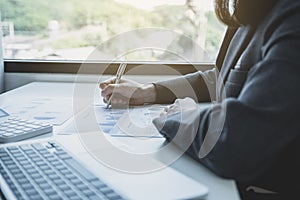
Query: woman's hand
127,92
180,119
180,105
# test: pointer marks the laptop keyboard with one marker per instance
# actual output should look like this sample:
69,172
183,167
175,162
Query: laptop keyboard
46,171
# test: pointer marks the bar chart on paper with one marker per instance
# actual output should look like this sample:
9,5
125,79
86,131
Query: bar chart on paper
131,122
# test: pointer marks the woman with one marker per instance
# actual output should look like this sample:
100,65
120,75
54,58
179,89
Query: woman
260,137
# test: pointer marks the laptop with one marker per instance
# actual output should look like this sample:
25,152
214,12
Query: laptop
48,170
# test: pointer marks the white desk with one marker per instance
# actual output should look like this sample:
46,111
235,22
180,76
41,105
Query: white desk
63,92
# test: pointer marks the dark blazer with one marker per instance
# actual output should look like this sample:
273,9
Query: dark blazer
260,139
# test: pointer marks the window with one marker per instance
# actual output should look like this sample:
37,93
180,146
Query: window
132,30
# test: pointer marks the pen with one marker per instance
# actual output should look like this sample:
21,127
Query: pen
119,75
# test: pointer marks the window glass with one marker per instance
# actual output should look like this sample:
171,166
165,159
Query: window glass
132,30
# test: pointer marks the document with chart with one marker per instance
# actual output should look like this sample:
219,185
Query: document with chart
129,122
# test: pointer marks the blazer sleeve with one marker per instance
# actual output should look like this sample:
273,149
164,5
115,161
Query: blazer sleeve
262,122
199,86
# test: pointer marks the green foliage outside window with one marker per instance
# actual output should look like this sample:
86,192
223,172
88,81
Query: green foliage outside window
82,21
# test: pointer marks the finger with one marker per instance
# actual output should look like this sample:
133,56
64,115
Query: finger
107,82
106,98
112,88
108,90
119,102
112,80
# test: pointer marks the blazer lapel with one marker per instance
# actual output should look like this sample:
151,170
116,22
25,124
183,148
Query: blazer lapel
238,44
224,47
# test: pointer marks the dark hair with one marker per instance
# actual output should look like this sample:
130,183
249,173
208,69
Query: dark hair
235,13
222,10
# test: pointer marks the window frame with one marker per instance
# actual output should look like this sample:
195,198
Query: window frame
109,68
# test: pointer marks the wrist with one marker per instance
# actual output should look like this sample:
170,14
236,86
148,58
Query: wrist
148,93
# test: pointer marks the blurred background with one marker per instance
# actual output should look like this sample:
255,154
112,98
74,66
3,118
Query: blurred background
72,29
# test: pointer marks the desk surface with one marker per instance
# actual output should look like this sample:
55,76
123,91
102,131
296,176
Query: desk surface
63,93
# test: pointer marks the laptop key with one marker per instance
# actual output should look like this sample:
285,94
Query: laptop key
113,196
95,197
64,187
31,170
31,192
63,156
70,193
53,176
40,180
11,166
12,148
106,190
50,191
25,164
27,186
36,176
49,172
75,181
82,186
77,198
55,197
45,167
44,185
65,171
70,176
88,192
58,181
23,181
98,184
36,197
19,176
